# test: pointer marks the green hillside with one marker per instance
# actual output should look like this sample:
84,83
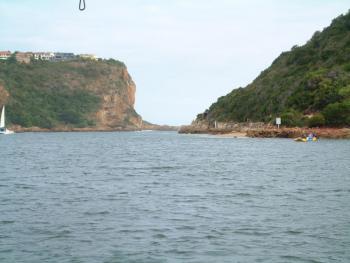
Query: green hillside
50,94
310,80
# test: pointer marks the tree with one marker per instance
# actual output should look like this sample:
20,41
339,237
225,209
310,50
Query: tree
317,120
337,114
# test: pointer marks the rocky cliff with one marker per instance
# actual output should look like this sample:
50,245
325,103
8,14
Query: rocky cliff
116,91
80,94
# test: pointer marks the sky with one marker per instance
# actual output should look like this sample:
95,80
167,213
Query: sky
182,54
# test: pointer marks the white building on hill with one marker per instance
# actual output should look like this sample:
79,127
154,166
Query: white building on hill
44,56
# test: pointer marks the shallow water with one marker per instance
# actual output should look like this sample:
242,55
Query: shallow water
164,197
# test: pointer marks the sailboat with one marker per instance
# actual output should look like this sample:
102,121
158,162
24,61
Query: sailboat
3,129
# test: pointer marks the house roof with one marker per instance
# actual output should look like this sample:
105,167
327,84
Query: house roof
6,53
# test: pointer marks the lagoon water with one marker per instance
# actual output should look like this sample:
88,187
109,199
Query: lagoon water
164,197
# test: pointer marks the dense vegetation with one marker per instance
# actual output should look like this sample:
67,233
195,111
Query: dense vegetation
310,80
49,94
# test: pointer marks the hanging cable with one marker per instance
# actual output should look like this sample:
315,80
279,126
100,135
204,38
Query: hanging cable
82,5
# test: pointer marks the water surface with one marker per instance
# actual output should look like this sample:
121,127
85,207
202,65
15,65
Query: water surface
164,197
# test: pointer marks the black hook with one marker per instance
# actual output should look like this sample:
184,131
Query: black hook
82,5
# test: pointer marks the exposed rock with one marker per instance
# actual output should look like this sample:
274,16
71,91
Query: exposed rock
203,126
330,133
117,108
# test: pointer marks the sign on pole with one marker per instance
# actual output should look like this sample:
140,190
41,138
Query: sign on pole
278,122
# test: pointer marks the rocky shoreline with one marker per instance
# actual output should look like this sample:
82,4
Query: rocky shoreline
328,133
254,130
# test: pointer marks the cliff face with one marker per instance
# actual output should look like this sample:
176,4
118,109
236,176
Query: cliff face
76,94
116,91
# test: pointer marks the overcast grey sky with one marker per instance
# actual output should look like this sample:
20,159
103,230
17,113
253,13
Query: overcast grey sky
182,54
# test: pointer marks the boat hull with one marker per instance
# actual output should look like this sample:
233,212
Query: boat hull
306,140
6,132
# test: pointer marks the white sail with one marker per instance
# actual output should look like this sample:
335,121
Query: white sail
2,120
3,130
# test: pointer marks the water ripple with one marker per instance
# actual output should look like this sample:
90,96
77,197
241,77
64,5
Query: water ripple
160,197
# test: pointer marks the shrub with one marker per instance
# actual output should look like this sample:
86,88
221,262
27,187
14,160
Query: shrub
43,94
345,92
292,118
347,67
69,116
337,114
317,120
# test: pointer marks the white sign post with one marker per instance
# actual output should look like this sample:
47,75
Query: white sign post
278,122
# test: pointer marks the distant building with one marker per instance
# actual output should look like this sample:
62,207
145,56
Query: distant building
25,57
59,56
47,56
4,55
22,57
88,56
